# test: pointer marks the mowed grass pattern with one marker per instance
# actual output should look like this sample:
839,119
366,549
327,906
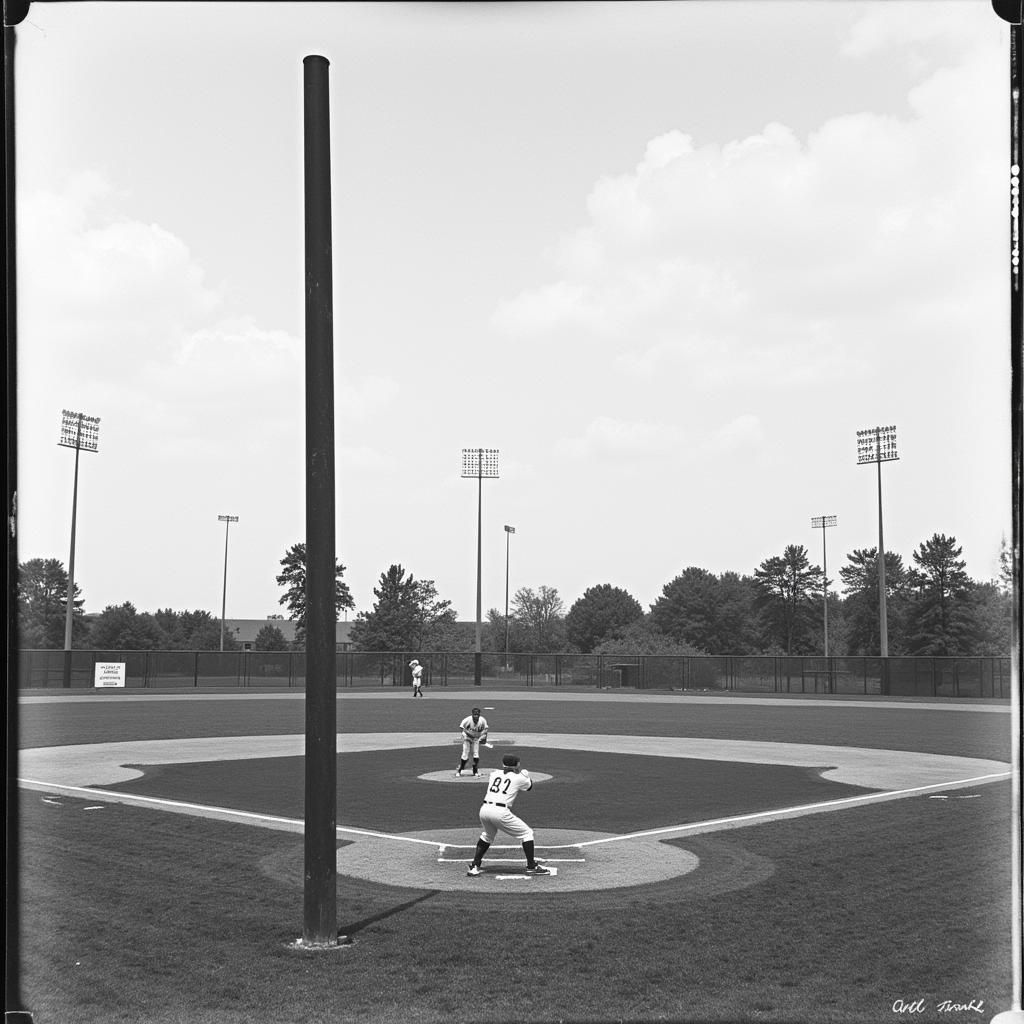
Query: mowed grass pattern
136,915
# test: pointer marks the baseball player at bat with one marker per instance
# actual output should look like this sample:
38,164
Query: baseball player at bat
503,786
474,732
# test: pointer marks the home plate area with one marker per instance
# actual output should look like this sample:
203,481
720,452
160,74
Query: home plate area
578,861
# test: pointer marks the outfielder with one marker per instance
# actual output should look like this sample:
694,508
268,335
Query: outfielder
474,732
503,786
417,678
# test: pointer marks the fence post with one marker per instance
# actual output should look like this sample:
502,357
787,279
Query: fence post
195,670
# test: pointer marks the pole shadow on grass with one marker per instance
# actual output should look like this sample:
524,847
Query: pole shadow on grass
356,926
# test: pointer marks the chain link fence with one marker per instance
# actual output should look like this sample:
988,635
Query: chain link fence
896,676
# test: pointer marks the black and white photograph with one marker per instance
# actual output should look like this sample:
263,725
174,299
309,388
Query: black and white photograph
514,512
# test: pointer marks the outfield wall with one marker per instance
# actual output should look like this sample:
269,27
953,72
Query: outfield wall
898,676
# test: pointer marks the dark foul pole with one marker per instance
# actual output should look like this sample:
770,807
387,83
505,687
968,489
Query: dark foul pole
1013,12
16,1011
320,920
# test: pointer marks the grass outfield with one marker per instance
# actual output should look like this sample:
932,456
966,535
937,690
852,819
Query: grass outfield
131,914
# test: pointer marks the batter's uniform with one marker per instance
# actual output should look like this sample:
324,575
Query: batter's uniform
496,810
474,732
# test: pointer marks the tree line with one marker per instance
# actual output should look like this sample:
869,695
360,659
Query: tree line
932,608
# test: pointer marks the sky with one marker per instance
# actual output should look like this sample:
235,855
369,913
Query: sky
667,258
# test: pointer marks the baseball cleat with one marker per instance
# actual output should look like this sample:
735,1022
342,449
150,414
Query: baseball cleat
537,869
474,870
458,773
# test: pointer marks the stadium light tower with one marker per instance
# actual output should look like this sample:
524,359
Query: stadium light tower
509,530
82,433
878,445
478,463
227,521
823,523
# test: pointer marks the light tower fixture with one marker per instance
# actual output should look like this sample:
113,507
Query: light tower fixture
823,523
82,433
878,445
479,463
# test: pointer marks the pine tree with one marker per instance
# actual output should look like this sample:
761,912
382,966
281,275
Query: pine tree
941,619
293,578
861,608
393,624
788,585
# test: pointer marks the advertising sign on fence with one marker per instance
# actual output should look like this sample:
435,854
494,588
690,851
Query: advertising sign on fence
110,673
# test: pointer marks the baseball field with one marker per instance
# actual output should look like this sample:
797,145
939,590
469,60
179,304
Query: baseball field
713,858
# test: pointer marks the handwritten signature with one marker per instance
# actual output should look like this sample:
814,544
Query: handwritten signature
945,1006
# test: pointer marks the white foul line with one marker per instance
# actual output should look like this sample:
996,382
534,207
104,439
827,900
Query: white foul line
784,812
207,810
112,796
298,825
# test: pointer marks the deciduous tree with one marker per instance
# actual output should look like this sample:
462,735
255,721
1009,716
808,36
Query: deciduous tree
718,615
270,638
42,612
642,637
540,616
192,631
600,610
122,628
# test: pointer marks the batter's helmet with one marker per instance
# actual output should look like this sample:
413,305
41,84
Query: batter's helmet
510,760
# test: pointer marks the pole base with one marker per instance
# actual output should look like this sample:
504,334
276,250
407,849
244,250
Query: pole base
320,947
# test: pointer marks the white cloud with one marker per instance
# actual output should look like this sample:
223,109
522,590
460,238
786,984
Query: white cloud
606,437
744,432
773,252
947,26
362,457
609,439
364,398
125,306
103,288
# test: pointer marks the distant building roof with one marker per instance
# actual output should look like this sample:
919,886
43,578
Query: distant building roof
245,630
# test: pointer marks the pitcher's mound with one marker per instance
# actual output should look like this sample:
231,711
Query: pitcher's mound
450,776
